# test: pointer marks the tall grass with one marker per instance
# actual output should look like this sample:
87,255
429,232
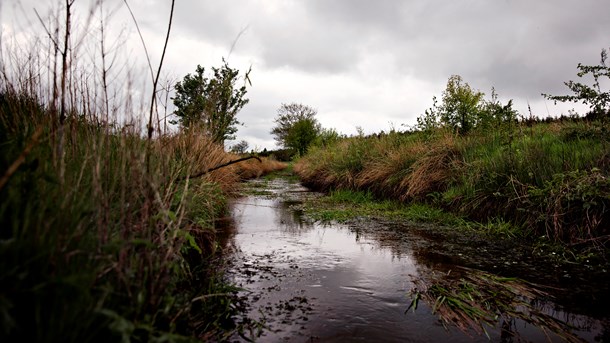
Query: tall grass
103,233
548,178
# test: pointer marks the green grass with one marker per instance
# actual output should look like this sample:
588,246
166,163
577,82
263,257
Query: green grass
476,301
117,246
538,179
345,205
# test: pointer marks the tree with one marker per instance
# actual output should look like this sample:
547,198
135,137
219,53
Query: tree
463,109
598,101
430,120
211,104
461,106
494,115
240,148
296,127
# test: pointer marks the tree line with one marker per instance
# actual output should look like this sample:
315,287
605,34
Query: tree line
210,104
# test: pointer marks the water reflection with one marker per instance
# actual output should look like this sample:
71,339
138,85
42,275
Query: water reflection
312,282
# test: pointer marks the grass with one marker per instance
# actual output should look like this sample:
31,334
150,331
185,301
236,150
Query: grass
121,245
476,301
104,234
543,179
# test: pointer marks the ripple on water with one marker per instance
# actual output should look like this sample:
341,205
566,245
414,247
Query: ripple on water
312,282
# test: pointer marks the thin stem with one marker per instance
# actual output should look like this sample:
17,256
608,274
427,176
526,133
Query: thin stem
154,91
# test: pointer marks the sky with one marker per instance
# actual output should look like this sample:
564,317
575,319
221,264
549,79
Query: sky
373,65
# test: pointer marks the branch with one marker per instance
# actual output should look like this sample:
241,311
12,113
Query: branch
219,167
154,92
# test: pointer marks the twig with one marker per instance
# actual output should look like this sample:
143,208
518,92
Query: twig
219,167
154,91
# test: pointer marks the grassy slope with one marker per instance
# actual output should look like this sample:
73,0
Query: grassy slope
547,179
122,243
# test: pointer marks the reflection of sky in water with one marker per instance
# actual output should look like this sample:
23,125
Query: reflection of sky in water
357,284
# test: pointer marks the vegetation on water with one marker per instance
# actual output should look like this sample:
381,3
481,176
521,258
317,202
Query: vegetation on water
473,300
343,205
547,177
105,235
474,163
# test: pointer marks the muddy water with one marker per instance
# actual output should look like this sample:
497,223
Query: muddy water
309,282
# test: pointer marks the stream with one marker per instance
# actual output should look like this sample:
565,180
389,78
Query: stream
304,281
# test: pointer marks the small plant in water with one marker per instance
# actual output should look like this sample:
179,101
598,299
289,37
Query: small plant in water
475,300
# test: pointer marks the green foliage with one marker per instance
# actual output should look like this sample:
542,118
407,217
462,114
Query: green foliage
486,176
296,127
240,148
211,104
598,100
495,116
461,105
463,109
575,199
326,138
103,255
430,120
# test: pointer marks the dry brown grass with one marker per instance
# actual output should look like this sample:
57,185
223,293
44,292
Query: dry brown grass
387,175
391,166
197,153
432,171
314,168
254,168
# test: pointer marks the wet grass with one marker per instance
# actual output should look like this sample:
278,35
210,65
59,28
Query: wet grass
547,179
106,234
475,301
258,188
345,205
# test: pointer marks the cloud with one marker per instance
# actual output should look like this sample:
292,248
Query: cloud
369,64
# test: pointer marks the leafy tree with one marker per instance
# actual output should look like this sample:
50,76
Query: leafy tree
240,148
430,120
211,104
461,107
598,100
296,127
494,114
464,109
327,137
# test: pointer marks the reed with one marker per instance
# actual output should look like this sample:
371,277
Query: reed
105,234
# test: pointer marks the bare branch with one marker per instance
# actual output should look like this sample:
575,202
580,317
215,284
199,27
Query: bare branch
154,91
219,167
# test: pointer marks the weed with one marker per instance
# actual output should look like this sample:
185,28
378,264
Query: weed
476,300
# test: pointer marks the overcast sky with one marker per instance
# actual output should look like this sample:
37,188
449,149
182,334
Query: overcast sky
369,64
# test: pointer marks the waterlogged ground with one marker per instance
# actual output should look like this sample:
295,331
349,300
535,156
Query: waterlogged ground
311,282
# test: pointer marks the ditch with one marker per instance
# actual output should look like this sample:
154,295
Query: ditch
306,281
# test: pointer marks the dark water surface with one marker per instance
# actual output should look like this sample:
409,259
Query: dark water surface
308,282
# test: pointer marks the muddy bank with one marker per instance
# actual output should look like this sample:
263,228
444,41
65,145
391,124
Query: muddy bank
306,281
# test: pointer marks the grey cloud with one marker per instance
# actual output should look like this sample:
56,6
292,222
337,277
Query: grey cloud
521,47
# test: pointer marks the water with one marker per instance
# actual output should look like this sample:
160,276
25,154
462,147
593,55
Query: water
308,282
